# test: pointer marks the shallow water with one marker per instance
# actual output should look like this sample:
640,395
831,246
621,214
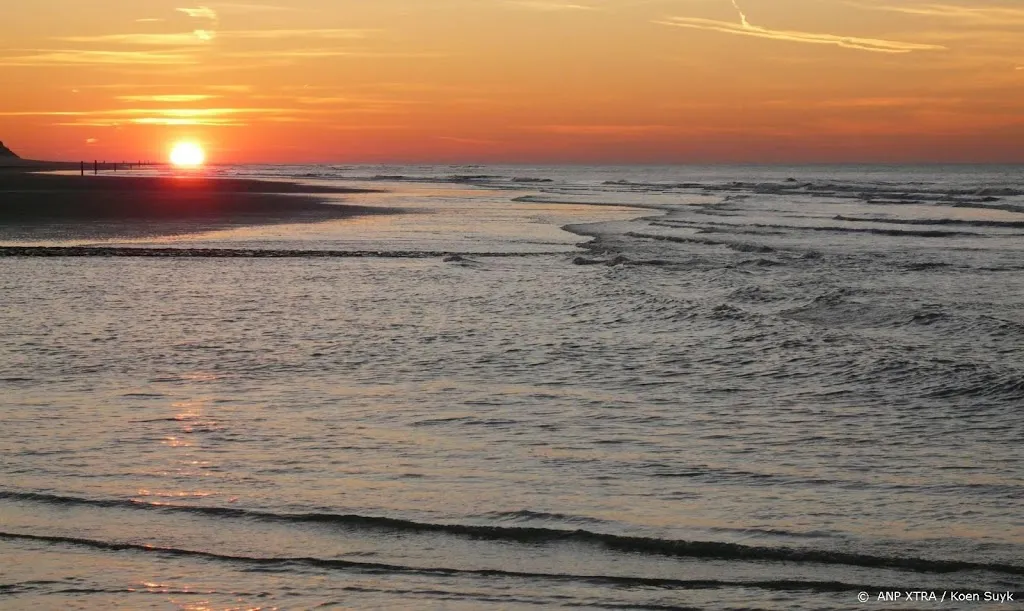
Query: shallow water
745,392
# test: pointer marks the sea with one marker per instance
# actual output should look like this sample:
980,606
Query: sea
531,387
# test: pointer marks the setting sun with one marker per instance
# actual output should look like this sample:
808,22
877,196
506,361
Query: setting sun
187,155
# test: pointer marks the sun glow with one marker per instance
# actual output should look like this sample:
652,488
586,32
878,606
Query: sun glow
187,155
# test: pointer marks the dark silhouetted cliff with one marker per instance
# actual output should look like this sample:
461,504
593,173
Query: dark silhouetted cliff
6,152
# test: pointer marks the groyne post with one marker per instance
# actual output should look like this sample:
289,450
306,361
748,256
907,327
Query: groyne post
95,167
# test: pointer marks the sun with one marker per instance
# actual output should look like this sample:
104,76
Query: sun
187,155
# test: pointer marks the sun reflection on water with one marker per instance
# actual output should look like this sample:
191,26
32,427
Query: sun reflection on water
175,442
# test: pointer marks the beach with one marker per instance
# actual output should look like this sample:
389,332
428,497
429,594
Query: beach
42,207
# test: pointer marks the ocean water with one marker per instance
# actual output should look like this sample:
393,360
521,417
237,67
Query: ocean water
535,388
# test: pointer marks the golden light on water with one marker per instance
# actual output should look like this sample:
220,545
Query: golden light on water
187,155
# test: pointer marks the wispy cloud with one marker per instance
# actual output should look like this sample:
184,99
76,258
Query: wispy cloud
320,53
549,6
171,98
231,88
307,33
743,16
206,121
346,104
650,131
179,42
238,7
213,117
366,127
182,39
72,57
343,100
154,87
200,12
45,113
745,28
201,36
866,104
473,141
197,112
208,33
602,130
994,16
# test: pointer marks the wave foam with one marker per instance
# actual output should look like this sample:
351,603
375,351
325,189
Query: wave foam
527,535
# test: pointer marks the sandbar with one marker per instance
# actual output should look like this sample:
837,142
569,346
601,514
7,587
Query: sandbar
55,207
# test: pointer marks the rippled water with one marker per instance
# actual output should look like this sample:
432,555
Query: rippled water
765,388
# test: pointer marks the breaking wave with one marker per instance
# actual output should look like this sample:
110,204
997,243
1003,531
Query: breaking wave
524,535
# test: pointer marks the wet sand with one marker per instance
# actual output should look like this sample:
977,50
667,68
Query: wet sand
45,207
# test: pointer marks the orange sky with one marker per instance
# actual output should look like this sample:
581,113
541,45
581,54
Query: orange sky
516,80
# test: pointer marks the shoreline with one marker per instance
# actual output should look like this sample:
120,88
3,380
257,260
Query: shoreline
9,251
38,207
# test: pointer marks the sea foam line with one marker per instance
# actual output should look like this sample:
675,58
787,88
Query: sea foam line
545,536
378,567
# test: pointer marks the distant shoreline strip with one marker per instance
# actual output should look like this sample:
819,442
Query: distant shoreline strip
247,253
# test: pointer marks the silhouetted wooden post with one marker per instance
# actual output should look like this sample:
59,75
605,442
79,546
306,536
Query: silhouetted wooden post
83,168
95,167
